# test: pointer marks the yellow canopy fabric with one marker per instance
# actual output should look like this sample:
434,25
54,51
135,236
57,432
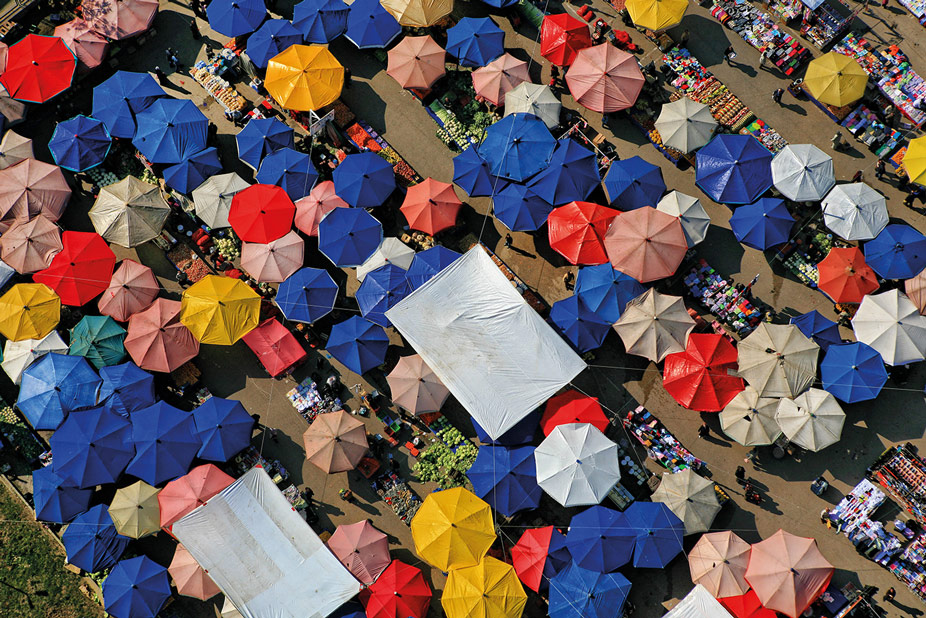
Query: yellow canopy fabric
453,529
490,589
29,311
418,13
304,77
914,161
219,310
836,79
656,14
135,511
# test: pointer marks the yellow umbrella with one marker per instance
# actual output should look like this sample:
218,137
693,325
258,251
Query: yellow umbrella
490,589
418,13
304,77
835,79
453,529
135,511
29,311
656,14
219,310
914,160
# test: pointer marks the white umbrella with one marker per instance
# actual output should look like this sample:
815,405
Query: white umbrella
130,212
691,497
213,198
654,325
891,324
855,211
812,420
695,220
685,125
229,610
750,419
536,99
18,355
14,148
803,172
416,387
778,360
390,251
577,465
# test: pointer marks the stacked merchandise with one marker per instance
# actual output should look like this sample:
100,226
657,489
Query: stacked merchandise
309,402
786,9
868,129
221,90
759,30
804,252
918,8
852,45
398,495
698,84
824,24
769,137
722,298
250,457
909,568
294,497
852,517
661,446
902,473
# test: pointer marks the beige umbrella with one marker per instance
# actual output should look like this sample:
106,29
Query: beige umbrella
14,148
335,442
273,261
228,610
30,188
415,387
130,212
213,198
30,246
18,355
496,79
418,13
191,579
14,111
685,125
654,325
778,360
750,419
718,562
691,497
915,288
812,420
135,510
416,62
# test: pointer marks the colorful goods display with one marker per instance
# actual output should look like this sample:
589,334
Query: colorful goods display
902,474
867,127
852,517
759,30
723,299
221,90
824,24
661,446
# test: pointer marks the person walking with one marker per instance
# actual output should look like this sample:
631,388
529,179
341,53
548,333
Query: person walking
347,77
890,593
683,40
162,76
763,59
740,475
569,280
837,142
857,177
508,241
884,6
879,169
908,201
729,54
194,30
704,431
776,96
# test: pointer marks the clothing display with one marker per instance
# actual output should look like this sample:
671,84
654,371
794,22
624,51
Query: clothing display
306,398
902,474
760,30
723,299
661,446
824,24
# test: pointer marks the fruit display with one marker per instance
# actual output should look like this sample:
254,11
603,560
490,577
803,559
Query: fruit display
220,89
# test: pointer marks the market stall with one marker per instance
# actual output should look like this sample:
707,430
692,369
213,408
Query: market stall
309,402
367,139
729,303
853,518
806,249
902,474
760,30
209,75
661,446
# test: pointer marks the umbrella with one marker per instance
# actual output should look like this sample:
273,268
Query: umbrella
274,36
694,219
658,534
703,377
844,275
18,355
304,78
788,573
312,208
577,231
521,432
646,244
132,288
55,385
391,251
219,310
418,13
30,246
491,588
471,173
28,311
121,19
691,497
535,99
475,41
599,539
778,360
99,340
604,79
82,38
31,188
55,499
358,344
572,174
763,224
190,491
399,591
170,130
364,180
431,206
821,329
493,81
633,183
38,68
914,161
213,198
813,420
803,172
539,555
654,325
349,236
381,290
193,171
606,291
506,478
415,387
117,100
362,549
582,593
370,25
572,406
273,261
13,111
157,340
898,252
275,347
855,211
735,169
130,212
92,447
750,419
91,541
259,138
335,442
836,79
891,324
14,148
853,372
261,213
80,143
577,465
562,36
453,529
581,326
320,21
416,62
746,606
656,15
685,125
428,263
307,295
126,388
718,562
915,288
190,578
165,443
136,588
520,208
235,17
517,147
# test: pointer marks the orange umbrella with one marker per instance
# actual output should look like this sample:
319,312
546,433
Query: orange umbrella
121,19
718,562
577,231
431,206
191,579
273,261
88,45
30,246
191,490
312,208
335,442
157,340
844,275
604,79
132,288
30,188
916,290
496,79
646,244
788,572
416,62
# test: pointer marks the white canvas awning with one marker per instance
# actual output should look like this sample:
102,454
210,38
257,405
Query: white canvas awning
699,604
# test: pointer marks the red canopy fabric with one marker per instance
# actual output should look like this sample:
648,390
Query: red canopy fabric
788,572
261,213
845,276
275,347
400,591
747,606
529,556
38,68
132,288
699,377
572,407
561,38
577,231
605,79
191,490
82,270
157,340
431,206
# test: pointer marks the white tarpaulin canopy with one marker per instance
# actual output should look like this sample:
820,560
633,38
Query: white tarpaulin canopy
497,356
699,604
262,555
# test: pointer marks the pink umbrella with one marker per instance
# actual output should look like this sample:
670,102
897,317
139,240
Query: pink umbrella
190,491
191,579
335,442
119,19
318,203
88,45
29,247
30,188
4,50
416,62
788,572
273,261
605,79
916,290
646,244
494,80
416,387
361,548
157,340
132,288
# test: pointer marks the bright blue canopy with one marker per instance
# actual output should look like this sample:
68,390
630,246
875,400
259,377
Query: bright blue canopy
351,609
55,385
348,236
634,183
170,130
381,290
584,328
271,38
80,143
223,427
92,447
658,533
606,291
99,339
475,41
600,539
55,499
136,588
853,372
506,478
819,328
166,442
117,100
192,172
428,263
126,388
236,17
572,176
358,343
289,169
321,21
500,4
91,540
521,433
582,593
520,208
364,180
763,224
369,25
260,137
517,147
307,295
898,252
471,173
734,169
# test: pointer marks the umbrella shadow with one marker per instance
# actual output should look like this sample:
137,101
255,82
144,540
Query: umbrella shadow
721,249
906,609
712,39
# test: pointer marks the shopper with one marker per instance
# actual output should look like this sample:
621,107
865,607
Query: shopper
704,431
194,30
508,241
884,6
162,76
763,60
683,40
740,475
891,593
347,77
837,142
908,201
776,96
729,54
857,177
879,169
569,280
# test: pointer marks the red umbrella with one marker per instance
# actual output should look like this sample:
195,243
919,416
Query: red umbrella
577,231
561,38
605,79
133,288
89,45
747,606
30,188
38,68
700,377
261,213
400,592
82,270
534,550
572,407
318,203
275,347
646,244
845,276
431,206
191,490
157,340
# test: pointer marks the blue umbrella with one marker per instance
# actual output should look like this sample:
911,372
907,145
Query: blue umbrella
369,25
260,137
517,147
55,385
428,263
166,442
520,208
55,499
91,540
584,328
236,17
572,176
351,609
307,295
471,173
170,130
359,344
381,290
223,427
600,539
606,291
658,533
126,388
475,41
117,100
898,252
271,38
500,4
136,588
819,328
634,183
193,171
734,169
853,372
80,143
364,180
521,433
321,21
762,224
92,447
582,593
289,169
348,236
506,478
